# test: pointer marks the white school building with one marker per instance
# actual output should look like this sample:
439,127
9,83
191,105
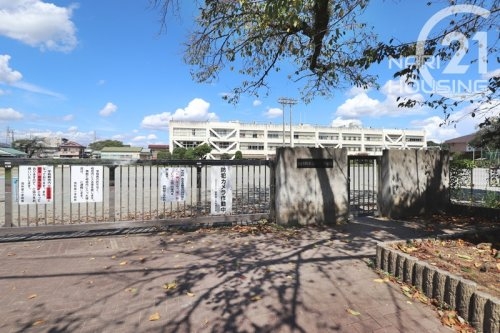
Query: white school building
256,140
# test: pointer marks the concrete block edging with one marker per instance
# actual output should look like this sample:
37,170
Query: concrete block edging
480,309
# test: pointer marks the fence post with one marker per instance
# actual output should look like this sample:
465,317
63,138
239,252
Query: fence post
8,195
198,188
272,191
472,185
112,192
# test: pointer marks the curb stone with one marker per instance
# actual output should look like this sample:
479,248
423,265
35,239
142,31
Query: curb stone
480,309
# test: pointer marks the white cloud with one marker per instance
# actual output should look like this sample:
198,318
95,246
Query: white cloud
273,113
68,117
361,104
139,138
257,102
7,74
462,122
340,122
7,114
152,137
36,89
196,110
108,109
73,129
38,24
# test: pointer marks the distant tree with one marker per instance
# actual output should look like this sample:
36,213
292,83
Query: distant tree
190,154
238,155
225,156
179,153
29,146
98,145
164,155
202,150
489,135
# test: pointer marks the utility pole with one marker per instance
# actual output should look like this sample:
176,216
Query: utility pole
290,102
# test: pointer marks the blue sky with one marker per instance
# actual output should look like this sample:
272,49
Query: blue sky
104,70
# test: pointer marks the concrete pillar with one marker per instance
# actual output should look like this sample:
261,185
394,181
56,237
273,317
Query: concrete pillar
413,182
311,186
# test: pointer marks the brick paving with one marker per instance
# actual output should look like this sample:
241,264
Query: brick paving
220,281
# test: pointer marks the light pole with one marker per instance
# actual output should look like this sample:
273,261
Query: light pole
287,101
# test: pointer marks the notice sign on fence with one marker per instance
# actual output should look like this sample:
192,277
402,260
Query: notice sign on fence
222,193
36,184
86,183
174,184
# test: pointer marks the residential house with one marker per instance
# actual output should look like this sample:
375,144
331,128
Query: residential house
155,149
125,153
460,144
70,149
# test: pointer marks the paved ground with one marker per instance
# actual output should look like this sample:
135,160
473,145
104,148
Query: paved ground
208,281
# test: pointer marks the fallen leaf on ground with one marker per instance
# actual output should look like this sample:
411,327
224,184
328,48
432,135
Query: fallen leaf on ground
38,322
170,285
463,256
123,263
154,317
190,294
354,313
32,296
381,280
131,290
256,298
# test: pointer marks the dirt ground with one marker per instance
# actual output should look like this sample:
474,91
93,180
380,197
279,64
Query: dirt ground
475,256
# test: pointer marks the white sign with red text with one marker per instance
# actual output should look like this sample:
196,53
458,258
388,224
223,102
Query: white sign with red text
36,184
174,184
222,192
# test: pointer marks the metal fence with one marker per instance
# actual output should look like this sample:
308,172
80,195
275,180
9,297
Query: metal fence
476,186
134,192
363,184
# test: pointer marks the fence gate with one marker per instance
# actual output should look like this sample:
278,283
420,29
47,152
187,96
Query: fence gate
363,184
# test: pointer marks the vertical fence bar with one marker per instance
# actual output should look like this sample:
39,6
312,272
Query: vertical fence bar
272,190
112,192
8,195
198,188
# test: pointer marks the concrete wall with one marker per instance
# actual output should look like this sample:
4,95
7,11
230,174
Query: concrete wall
413,182
311,194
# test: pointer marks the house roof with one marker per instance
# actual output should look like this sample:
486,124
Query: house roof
11,152
158,146
71,144
462,139
121,149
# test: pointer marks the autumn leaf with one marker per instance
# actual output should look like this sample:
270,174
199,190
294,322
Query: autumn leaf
463,256
190,294
123,263
131,290
354,313
255,298
381,280
32,296
38,322
154,317
170,285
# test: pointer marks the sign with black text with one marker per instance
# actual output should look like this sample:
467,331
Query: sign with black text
174,184
86,183
36,184
222,193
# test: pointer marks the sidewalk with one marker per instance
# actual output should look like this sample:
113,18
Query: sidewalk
208,281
